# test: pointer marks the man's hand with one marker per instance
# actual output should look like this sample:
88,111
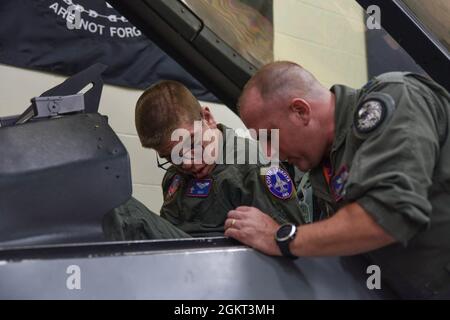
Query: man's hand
253,228
350,231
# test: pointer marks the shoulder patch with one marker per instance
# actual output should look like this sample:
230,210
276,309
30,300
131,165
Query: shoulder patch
371,113
174,185
279,183
199,188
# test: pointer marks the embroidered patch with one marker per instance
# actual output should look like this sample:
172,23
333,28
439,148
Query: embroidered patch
199,188
369,116
371,113
279,183
174,185
338,183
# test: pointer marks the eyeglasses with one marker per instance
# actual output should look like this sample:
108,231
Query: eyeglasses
165,164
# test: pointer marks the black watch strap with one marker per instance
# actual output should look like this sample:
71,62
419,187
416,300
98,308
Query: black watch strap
284,248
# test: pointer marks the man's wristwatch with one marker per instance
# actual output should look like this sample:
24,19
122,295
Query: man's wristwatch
285,234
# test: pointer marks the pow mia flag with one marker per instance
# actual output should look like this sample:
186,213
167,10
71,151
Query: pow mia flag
35,34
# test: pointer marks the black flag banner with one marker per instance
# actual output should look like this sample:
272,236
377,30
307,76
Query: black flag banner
44,35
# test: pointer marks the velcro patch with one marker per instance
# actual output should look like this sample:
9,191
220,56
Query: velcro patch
199,188
174,185
338,183
371,113
279,183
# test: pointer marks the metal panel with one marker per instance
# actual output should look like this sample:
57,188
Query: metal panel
198,269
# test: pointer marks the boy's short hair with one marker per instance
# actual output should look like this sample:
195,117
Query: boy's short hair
161,109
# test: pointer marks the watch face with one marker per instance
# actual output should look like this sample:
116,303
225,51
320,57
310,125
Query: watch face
285,232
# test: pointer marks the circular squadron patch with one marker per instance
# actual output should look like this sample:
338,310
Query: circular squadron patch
369,116
371,113
279,183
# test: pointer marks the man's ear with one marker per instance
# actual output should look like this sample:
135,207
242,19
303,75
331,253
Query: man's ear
209,118
301,109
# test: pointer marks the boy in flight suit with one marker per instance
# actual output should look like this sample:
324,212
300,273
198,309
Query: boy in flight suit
199,194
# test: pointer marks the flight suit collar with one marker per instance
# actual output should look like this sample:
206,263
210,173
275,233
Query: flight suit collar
227,135
346,100
345,103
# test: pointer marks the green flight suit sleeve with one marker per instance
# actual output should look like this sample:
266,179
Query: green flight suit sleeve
250,189
392,170
134,221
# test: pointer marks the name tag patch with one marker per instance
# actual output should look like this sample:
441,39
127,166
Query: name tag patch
199,188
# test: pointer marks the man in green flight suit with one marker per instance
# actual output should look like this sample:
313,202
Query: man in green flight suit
198,194
379,166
